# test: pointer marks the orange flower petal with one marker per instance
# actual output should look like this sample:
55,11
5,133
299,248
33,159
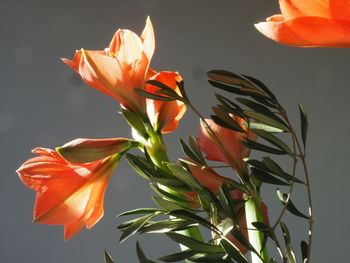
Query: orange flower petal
114,78
67,194
165,115
308,32
339,9
147,38
230,139
207,177
297,8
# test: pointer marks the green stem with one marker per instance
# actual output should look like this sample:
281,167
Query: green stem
157,152
256,237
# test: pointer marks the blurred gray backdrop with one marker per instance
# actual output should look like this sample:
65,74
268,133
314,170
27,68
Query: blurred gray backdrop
43,103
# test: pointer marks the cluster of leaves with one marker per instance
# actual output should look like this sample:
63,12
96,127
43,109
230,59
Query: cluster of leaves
180,210
266,118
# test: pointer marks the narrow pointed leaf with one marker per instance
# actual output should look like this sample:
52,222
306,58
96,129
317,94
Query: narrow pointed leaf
290,206
230,122
233,251
189,152
153,96
261,86
141,255
108,258
290,254
136,122
190,216
133,228
285,232
274,140
165,226
274,168
274,122
304,124
139,211
255,106
304,251
178,256
165,204
184,176
194,244
262,147
195,148
264,127
266,177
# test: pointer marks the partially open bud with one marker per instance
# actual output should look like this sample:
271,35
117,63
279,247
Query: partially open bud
89,150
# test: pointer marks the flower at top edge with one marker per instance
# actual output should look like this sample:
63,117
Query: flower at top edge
311,23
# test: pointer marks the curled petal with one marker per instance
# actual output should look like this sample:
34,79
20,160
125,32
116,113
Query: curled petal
165,115
308,32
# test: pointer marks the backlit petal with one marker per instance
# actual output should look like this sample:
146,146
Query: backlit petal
308,32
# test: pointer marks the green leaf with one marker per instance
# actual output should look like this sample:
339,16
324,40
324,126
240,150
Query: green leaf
139,166
262,86
274,140
232,251
184,176
226,121
108,258
165,226
227,202
178,256
190,216
304,124
285,232
163,88
174,196
194,244
241,238
195,148
261,147
274,168
210,258
290,254
189,152
255,106
136,122
290,206
166,205
141,255
274,122
304,251
261,226
135,226
139,211
181,86
266,177
228,77
264,127
235,90
153,96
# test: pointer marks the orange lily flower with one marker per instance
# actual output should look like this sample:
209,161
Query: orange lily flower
120,68
67,194
124,66
230,139
165,115
311,23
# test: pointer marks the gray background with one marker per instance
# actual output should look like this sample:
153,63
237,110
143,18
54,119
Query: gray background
43,103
